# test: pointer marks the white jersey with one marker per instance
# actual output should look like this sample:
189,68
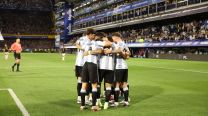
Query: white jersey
92,45
121,62
80,53
106,62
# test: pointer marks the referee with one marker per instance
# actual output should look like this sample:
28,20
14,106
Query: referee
17,49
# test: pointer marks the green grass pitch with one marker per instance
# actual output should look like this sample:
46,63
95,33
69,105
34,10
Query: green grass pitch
47,87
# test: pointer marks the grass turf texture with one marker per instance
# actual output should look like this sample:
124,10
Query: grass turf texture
47,87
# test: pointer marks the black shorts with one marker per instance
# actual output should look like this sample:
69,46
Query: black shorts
90,73
107,75
17,56
121,75
78,71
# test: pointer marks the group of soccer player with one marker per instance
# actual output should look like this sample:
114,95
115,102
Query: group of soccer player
100,57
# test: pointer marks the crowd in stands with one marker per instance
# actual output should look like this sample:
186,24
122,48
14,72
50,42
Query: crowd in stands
161,32
26,22
26,4
195,30
102,6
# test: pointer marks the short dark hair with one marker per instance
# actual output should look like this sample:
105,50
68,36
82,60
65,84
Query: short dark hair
101,34
90,31
117,34
110,39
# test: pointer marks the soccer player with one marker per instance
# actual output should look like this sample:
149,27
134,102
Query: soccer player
63,53
106,70
17,49
79,64
90,68
121,69
6,52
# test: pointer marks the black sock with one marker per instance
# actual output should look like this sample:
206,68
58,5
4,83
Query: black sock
126,94
107,95
79,86
116,95
89,89
112,91
18,67
83,92
14,65
98,91
94,97
122,92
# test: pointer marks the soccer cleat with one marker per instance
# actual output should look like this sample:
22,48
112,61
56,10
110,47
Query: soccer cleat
111,101
106,106
78,99
126,103
82,108
95,108
88,102
129,99
99,103
90,98
122,102
115,104
79,102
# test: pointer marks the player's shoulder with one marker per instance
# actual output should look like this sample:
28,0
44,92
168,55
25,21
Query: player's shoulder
121,43
83,38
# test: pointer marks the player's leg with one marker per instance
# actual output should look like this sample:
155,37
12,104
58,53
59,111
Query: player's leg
78,71
83,93
88,96
85,80
79,86
94,97
93,76
13,66
18,62
63,56
99,88
109,77
125,87
6,55
118,74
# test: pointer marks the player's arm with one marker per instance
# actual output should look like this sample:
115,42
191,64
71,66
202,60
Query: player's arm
20,48
107,43
125,53
110,51
78,45
93,52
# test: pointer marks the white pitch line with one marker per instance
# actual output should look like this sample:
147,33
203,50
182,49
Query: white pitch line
18,102
185,70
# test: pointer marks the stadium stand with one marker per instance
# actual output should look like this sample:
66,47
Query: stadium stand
146,25
124,10
26,22
26,4
31,21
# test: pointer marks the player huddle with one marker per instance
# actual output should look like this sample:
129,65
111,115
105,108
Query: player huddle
99,58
